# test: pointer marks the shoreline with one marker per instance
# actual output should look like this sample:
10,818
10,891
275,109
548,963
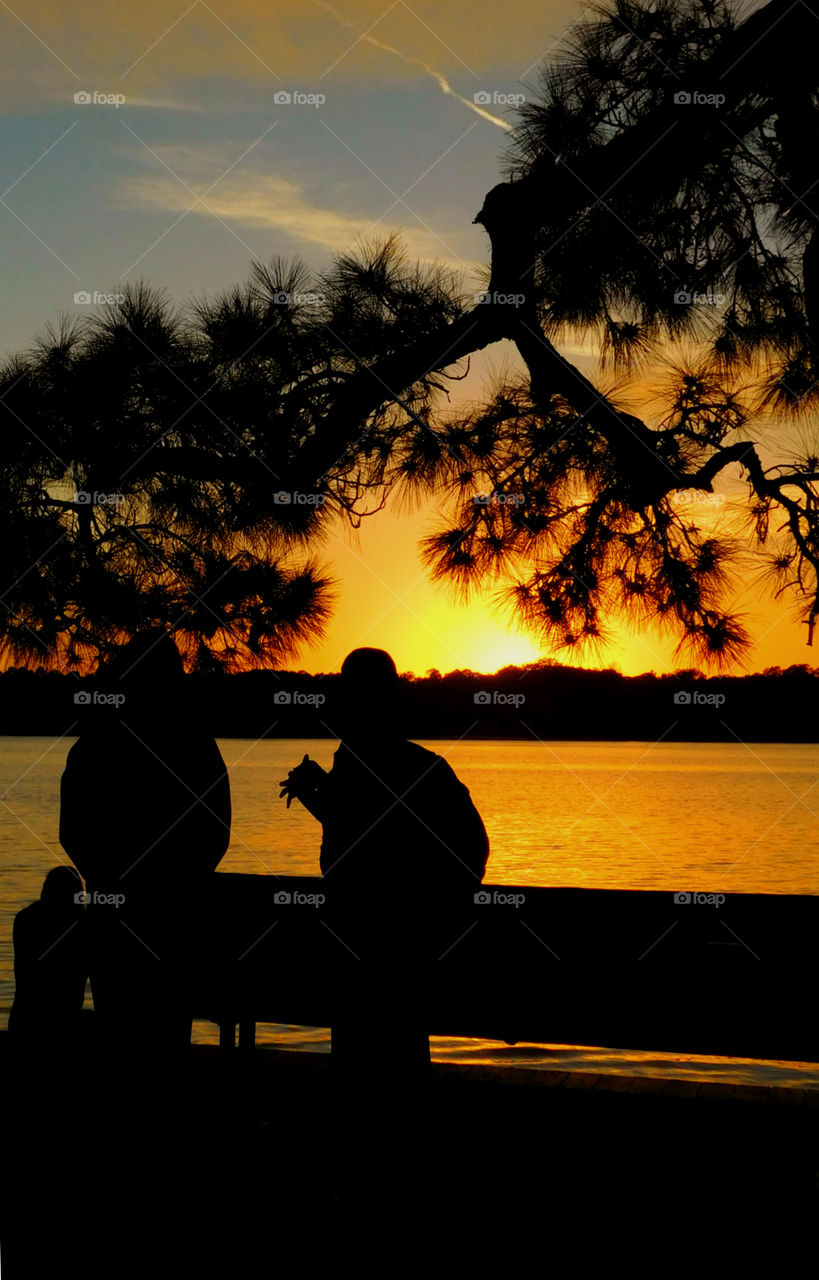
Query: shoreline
677,740
260,1158
493,1063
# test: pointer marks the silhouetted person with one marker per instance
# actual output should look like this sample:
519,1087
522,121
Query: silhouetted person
403,847
50,964
145,815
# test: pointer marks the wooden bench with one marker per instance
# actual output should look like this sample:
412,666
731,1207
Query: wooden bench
730,975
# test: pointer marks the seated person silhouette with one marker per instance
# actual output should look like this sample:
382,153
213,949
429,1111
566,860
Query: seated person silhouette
403,847
50,963
145,815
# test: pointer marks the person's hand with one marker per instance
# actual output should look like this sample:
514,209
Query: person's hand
301,781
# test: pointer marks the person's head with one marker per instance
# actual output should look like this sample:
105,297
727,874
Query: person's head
143,681
60,889
147,660
369,696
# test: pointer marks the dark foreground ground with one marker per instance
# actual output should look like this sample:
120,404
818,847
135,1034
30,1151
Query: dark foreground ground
250,1165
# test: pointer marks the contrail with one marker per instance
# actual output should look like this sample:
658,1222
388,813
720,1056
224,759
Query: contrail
444,84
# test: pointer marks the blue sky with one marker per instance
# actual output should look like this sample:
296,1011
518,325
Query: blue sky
95,194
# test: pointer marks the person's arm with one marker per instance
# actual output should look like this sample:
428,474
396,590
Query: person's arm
208,823
89,809
459,827
479,838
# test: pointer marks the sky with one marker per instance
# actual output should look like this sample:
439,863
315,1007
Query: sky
176,143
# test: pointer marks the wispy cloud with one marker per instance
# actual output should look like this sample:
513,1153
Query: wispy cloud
163,104
253,199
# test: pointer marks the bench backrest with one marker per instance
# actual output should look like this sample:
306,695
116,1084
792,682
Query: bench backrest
732,975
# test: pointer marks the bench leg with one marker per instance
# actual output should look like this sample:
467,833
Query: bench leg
247,1036
227,1036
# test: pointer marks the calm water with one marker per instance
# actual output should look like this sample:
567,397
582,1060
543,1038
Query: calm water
690,816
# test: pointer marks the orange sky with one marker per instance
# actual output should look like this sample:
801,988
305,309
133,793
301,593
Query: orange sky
388,601
198,172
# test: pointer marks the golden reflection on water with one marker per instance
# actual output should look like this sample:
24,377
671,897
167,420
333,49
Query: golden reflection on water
519,1060
692,816
699,816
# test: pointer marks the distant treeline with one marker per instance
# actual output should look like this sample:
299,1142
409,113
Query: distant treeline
542,700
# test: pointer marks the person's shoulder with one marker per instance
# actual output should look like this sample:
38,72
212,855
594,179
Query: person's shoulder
76,752
27,918
199,747
415,751
427,761
98,741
